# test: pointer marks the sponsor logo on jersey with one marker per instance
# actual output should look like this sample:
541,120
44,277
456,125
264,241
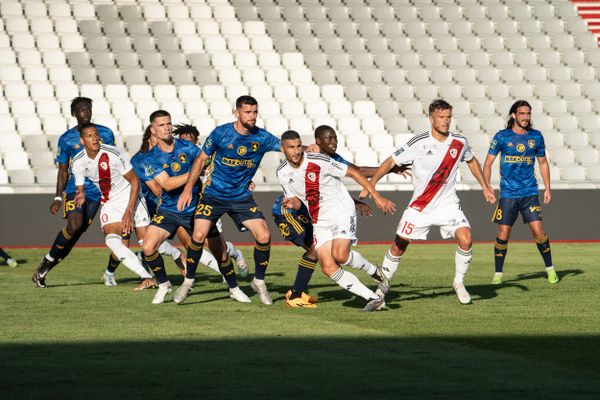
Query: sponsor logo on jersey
104,165
230,162
311,176
453,153
399,151
175,167
182,158
254,146
531,143
518,159
149,170
520,147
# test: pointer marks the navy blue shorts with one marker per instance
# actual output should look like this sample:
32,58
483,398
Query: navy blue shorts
296,229
89,208
211,208
508,210
171,221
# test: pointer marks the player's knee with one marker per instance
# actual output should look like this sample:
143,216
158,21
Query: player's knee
263,236
149,247
74,227
340,255
329,268
399,246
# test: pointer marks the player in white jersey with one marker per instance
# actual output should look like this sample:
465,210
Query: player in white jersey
122,206
315,180
435,157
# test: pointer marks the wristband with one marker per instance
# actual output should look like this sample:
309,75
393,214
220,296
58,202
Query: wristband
58,198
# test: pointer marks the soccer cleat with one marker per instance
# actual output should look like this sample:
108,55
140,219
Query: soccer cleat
39,280
148,283
375,304
299,302
161,293
241,263
12,263
461,292
552,276
383,283
260,287
109,279
237,294
497,279
182,292
305,296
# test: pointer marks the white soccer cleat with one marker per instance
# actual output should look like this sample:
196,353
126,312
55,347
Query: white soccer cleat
260,287
109,279
237,294
161,293
461,292
13,263
241,263
182,292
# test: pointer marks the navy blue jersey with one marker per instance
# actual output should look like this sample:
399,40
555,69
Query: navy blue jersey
69,145
518,153
147,166
340,159
175,163
235,159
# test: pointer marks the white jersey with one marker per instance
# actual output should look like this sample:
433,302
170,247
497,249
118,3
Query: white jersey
105,171
434,168
317,182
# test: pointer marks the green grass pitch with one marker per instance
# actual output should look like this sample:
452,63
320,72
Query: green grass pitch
525,339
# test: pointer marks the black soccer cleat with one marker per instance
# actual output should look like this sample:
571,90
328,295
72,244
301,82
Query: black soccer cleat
39,280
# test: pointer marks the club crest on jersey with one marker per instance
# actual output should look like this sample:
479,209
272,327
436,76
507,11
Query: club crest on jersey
182,158
149,170
242,150
453,153
312,176
175,167
520,147
254,146
104,165
531,143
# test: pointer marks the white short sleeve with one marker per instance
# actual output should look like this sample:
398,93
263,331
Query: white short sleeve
404,155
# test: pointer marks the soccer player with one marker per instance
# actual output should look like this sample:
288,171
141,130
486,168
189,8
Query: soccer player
235,150
78,218
315,180
11,262
191,134
122,207
520,145
177,157
435,157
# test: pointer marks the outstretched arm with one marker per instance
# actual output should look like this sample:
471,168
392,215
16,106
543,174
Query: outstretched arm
475,168
197,167
383,169
381,202
169,183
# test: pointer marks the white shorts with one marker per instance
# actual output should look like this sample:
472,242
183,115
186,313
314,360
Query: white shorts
345,228
113,210
415,225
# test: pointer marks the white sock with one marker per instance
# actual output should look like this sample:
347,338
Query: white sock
49,257
390,264
357,261
168,249
550,268
349,281
129,259
462,260
231,250
210,261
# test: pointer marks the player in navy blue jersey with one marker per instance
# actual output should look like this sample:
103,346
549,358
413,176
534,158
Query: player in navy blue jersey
78,218
235,150
519,146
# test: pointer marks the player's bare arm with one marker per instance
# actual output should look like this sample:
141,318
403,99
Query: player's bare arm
134,181
154,187
62,177
488,191
363,208
197,167
383,170
292,203
487,169
80,196
385,205
169,183
545,172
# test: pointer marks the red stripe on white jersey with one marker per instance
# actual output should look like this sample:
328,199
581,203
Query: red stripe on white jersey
312,189
104,180
440,176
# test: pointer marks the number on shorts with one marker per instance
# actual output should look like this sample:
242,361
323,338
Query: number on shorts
498,214
407,228
158,219
70,205
303,219
204,209
104,218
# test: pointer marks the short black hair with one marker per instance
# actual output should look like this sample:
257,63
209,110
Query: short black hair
78,100
85,126
439,104
513,109
323,130
290,135
158,114
249,100
182,129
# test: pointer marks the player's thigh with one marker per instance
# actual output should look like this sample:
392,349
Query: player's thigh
506,211
113,228
163,225
141,217
201,229
450,219
295,231
328,264
537,229
530,209
259,229
112,212
210,208
218,247
340,249
245,213
155,235
413,225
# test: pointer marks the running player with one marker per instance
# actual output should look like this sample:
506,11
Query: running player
315,180
235,150
122,206
435,156
520,146
78,218
11,262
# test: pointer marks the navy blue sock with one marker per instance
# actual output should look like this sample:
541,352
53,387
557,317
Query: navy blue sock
306,267
262,253
62,245
543,246
157,265
113,263
4,254
500,249
228,273
194,252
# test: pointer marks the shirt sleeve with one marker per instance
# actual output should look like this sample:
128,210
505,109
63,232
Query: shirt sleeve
210,146
540,150
77,171
468,153
62,154
337,169
124,163
110,137
272,143
404,155
495,145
